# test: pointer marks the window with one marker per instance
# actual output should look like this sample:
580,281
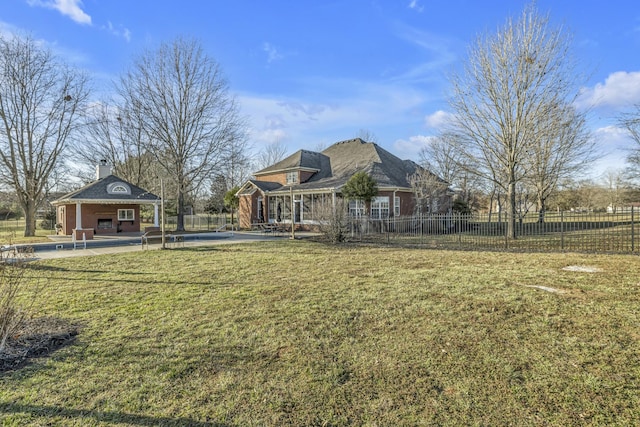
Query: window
396,206
260,217
126,215
292,177
380,207
356,207
118,188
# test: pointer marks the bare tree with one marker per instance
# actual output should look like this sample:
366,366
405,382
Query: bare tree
615,189
630,121
333,219
367,136
271,154
429,191
445,159
111,134
563,148
511,82
236,168
40,101
180,99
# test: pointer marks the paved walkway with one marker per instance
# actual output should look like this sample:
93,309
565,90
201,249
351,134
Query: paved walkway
62,246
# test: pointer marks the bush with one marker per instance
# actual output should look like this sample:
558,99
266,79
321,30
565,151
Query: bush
49,220
14,287
333,221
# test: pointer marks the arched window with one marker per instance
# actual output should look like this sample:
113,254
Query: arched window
118,188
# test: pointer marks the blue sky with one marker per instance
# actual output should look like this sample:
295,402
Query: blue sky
310,73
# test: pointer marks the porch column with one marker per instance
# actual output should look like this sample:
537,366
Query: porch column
156,219
78,216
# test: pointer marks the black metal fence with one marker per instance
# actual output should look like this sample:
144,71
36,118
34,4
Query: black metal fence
562,231
201,222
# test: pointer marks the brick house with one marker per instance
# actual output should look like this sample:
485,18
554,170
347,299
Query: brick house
314,180
107,206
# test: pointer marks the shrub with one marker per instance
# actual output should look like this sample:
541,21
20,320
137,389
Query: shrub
14,287
49,220
333,221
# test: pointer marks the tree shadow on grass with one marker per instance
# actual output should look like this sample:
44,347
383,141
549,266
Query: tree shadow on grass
103,416
42,267
36,338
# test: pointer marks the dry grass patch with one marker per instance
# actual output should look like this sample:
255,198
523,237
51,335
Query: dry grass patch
298,333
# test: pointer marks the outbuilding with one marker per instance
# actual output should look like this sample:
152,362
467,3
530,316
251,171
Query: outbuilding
107,206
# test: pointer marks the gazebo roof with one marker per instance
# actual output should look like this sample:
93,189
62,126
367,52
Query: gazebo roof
108,190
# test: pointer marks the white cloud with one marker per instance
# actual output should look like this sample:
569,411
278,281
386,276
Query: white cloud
272,52
72,56
8,30
118,32
331,110
612,137
620,89
415,5
614,144
410,148
70,8
439,54
438,119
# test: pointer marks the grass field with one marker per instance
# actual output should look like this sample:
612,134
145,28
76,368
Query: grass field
299,333
12,232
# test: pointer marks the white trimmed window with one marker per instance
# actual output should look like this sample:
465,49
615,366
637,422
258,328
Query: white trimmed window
126,214
380,207
118,188
356,207
396,206
292,177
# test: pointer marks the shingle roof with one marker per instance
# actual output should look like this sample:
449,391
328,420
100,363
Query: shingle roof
266,185
336,164
351,156
97,191
301,159
339,162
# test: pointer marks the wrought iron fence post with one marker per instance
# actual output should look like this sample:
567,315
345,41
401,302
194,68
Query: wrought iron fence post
506,231
562,230
633,233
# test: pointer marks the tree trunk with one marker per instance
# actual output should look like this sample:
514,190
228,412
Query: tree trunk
180,218
542,210
30,218
511,225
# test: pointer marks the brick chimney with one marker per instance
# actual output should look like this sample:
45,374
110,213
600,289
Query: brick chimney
103,170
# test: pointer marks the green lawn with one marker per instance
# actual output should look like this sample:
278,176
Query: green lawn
298,333
12,232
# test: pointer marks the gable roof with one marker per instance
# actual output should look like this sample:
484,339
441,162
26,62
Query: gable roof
101,191
300,160
335,165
